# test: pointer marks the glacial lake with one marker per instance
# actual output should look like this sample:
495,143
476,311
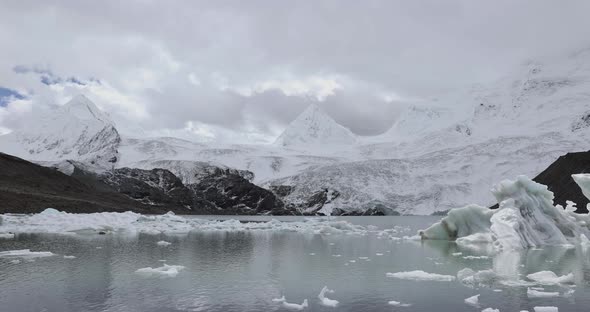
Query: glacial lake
244,270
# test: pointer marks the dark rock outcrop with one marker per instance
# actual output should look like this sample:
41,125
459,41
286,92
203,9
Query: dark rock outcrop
154,187
26,187
558,178
281,190
233,194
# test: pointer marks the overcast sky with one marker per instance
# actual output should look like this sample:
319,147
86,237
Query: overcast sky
240,71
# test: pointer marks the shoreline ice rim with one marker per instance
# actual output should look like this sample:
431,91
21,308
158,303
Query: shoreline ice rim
52,221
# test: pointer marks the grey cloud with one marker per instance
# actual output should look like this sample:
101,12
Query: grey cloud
145,50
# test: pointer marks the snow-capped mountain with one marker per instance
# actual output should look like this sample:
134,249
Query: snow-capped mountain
314,128
519,125
440,154
77,130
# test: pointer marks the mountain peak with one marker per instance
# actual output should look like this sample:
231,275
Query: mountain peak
83,108
314,127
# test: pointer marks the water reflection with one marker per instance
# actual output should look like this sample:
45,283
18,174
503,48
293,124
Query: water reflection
243,271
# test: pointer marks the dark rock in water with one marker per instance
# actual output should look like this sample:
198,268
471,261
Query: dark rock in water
102,233
558,179
233,194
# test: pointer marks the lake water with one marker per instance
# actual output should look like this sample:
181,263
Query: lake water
245,270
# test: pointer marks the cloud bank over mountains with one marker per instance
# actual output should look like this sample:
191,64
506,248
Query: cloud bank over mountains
237,71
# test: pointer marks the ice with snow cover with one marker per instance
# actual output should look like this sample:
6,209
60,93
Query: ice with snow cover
53,221
526,218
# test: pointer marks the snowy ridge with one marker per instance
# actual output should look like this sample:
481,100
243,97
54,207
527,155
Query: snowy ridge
315,128
440,154
77,130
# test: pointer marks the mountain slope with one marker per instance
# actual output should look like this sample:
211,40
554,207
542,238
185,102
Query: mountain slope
77,130
26,187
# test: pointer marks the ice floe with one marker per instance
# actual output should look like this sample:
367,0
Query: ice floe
163,243
531,293
291,306
473,301
420,275
69,257
6,235
550,278
475,257
490,310
398,304
25,253
53,221
546,309
526,217
163,271
325,301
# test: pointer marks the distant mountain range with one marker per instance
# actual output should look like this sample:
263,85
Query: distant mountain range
440,153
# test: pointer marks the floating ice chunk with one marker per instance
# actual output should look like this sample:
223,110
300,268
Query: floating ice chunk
583,181
295,306
163,243
476,257
7,235
312,253
162,272
53,221
550,278
546,309
569,293
69,257
352,261
279,300
473,301
490,310
325,301
398,304
526,218
456,254
337,256
25,253
419,275
364,258
584,241
531,293
378,254
472,278
15,261
460,222
475,239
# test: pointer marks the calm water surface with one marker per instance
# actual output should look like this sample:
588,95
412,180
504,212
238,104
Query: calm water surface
244,271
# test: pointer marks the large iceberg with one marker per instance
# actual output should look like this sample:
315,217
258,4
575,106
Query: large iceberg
526,217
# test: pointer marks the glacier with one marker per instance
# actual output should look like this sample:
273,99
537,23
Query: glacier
526,217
